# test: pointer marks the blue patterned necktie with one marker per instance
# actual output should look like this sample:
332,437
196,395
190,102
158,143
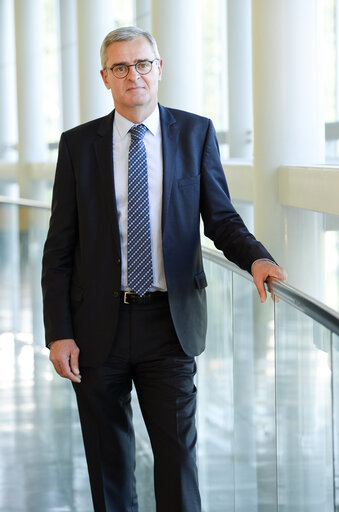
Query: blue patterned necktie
139,253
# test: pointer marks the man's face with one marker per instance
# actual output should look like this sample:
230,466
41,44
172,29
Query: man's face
134,92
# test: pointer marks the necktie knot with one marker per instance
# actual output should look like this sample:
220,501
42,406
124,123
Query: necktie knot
138,132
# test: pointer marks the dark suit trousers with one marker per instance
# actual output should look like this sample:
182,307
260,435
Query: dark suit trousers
145,351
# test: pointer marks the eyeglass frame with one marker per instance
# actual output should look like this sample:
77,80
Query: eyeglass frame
131,66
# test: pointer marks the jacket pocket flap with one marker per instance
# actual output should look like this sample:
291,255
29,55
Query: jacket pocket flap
200,280
185,182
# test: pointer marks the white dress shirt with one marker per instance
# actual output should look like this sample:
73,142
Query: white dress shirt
153,144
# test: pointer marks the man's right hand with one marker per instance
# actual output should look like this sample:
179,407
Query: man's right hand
64,355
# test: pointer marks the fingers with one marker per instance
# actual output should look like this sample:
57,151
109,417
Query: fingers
261,290
259,278
64,354
278,272
269,286
262,270
74,362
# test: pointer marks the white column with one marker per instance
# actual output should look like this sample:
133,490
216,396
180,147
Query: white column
288,126
143,14
8,126
69,63
94,22
9,216
29,68
177,29
239,78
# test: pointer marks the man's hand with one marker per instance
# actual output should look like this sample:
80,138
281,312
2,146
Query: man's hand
64,355
261,271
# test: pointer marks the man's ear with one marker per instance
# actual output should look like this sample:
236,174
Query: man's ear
103,73
160,68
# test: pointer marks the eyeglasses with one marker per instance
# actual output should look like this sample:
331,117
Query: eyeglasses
143,67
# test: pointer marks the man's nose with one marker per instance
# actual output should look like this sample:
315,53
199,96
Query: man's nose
133,74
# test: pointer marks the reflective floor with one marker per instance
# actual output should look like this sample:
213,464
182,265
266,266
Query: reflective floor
42,467
42,464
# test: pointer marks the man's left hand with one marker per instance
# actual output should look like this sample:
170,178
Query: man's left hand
261,271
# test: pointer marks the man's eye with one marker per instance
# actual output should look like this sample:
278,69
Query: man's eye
143,65
120,69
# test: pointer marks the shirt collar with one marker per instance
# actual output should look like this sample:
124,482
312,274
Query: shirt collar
123,125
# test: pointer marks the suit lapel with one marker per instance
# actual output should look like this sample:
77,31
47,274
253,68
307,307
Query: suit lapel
169,133
104,154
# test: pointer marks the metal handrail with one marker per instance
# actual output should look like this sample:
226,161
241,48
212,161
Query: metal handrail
31,203
319,312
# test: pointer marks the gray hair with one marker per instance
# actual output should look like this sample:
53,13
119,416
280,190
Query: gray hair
126,34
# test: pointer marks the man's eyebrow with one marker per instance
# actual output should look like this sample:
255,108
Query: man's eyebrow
126,63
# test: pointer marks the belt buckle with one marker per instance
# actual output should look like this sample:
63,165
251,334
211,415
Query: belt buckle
126,296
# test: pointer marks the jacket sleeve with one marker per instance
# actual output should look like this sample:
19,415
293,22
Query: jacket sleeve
221,221
59,248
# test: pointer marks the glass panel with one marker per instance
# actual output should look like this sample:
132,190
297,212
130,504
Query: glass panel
215,396
254,411
9,268
335,372
304,413
20,271
317,246
40,441
33,228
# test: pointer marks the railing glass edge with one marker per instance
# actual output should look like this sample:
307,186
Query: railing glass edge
323,314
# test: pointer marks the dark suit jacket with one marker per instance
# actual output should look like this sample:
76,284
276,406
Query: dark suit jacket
81,264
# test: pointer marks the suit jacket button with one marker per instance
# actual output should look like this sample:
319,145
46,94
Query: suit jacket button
116,295
118,261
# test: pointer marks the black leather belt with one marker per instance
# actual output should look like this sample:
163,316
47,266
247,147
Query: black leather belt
148,298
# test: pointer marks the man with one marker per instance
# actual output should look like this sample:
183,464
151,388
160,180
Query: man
123,279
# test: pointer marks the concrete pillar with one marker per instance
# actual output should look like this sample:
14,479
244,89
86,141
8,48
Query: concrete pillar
288,127
239,78
29,69
94,23
143,14
177,29
8,127
69,63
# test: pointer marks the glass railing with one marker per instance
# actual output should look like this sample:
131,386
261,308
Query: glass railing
23,230
268,391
